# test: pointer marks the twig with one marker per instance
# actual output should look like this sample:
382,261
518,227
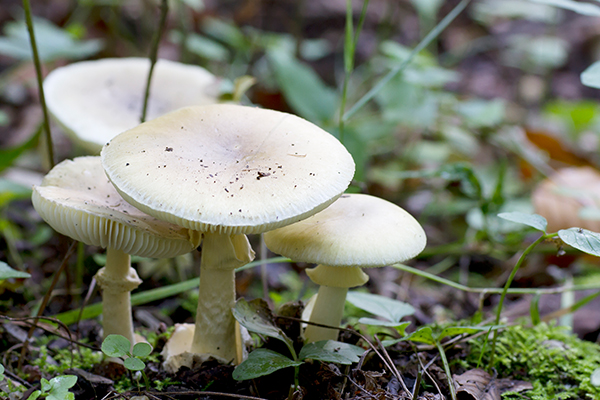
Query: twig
394,369
164,9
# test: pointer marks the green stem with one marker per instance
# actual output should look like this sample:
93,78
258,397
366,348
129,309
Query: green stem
349,52
446,369
164,9
423,44
38,73
507,285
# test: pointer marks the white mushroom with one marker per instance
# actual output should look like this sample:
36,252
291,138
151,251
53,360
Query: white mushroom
96,100
77,200
355,232
227,170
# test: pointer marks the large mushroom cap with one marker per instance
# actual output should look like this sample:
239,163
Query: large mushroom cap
77,200
96,100
228,169
357,230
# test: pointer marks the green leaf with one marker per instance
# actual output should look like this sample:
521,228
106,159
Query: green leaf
581,239
134,364
142,349
63,382
400,326
390,309
534,310
256,317
116,346
7,272
578,7
7,156
202,46
595,377
45,385
482,113
262,362
422,335
331,351
459,330
533,220
34,395
52,42
591,76
303,89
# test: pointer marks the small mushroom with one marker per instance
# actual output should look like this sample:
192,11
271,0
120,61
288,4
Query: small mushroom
355,232
77,200
96,100
209,183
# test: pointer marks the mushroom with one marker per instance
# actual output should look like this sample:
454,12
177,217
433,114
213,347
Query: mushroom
227,171
77,200
355,232
563,196
96,100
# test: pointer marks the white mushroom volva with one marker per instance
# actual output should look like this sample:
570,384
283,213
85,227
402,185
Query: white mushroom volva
355,232
96,100
227,170
77,200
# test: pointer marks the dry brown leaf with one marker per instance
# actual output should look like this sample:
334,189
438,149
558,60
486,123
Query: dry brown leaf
561,197
480,385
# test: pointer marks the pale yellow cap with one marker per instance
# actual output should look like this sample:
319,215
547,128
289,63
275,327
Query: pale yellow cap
228,168
357,230
77,199
96,100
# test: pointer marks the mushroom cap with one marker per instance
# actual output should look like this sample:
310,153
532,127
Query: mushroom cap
96,100
562,196
77,200
357,230
228,169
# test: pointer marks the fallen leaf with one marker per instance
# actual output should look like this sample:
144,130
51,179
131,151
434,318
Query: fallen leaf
480,385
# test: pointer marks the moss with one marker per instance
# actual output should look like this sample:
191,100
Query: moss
554,360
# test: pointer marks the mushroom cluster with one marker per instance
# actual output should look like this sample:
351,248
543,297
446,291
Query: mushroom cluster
226,171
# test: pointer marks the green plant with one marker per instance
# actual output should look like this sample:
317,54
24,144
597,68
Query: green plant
56,388
120,347
255,316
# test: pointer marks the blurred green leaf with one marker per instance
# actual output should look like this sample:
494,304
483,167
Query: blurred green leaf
225,32
202,46
7,272
303,89
422,335
52,42
10,191
591,76
482,113
578,7
262,362
8,156
390,309
534,220
331,351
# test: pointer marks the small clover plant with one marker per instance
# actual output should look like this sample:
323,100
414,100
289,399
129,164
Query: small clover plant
56,388
120,347
255,316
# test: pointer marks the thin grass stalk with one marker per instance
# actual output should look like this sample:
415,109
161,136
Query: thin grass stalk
164,10
443,24
39,77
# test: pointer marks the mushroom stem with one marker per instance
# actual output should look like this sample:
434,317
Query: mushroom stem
117,279
215,326
328,310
